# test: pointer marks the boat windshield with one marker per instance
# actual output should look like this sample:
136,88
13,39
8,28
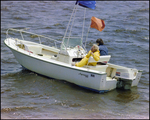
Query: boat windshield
71,42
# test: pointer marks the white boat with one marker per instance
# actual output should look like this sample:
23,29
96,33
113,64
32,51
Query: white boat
56,62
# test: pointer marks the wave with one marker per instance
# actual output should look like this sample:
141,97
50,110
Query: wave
127,30
33,36
17,108
25,93
23,71
4,9
8,61
146,37
66,104
48,28
144,10
57,24
20,18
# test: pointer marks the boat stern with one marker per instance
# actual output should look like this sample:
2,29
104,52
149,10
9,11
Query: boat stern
128,82
137,79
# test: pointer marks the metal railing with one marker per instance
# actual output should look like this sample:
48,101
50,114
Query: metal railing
62,44
21,31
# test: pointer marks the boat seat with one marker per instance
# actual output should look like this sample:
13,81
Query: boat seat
98,67
33,48
103,59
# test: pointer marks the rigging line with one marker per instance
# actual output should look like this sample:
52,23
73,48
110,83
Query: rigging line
72,25
69,23
83,24
87,35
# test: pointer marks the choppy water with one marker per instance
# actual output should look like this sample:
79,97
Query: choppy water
25,94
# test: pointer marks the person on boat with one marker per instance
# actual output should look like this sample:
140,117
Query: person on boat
94,52
102,48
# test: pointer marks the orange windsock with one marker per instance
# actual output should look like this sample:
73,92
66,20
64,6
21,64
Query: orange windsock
97,23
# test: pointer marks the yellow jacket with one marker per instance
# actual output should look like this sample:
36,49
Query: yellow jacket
84,61
96,55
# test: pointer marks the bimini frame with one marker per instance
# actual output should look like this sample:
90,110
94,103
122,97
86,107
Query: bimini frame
71,22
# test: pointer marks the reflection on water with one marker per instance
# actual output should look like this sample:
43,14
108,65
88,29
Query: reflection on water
127,95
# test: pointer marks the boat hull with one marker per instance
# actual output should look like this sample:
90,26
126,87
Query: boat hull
79,76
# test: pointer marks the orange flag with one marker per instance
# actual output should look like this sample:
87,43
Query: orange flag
97,23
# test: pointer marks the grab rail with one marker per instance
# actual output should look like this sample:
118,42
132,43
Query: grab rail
39,36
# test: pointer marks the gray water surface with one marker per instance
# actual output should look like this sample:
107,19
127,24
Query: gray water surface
25,94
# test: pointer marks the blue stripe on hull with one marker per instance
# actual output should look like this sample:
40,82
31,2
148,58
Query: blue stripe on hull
98,91
24,68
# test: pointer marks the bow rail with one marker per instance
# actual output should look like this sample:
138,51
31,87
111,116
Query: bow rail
32,35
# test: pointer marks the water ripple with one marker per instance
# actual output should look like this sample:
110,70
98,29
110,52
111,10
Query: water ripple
25,94
18,108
